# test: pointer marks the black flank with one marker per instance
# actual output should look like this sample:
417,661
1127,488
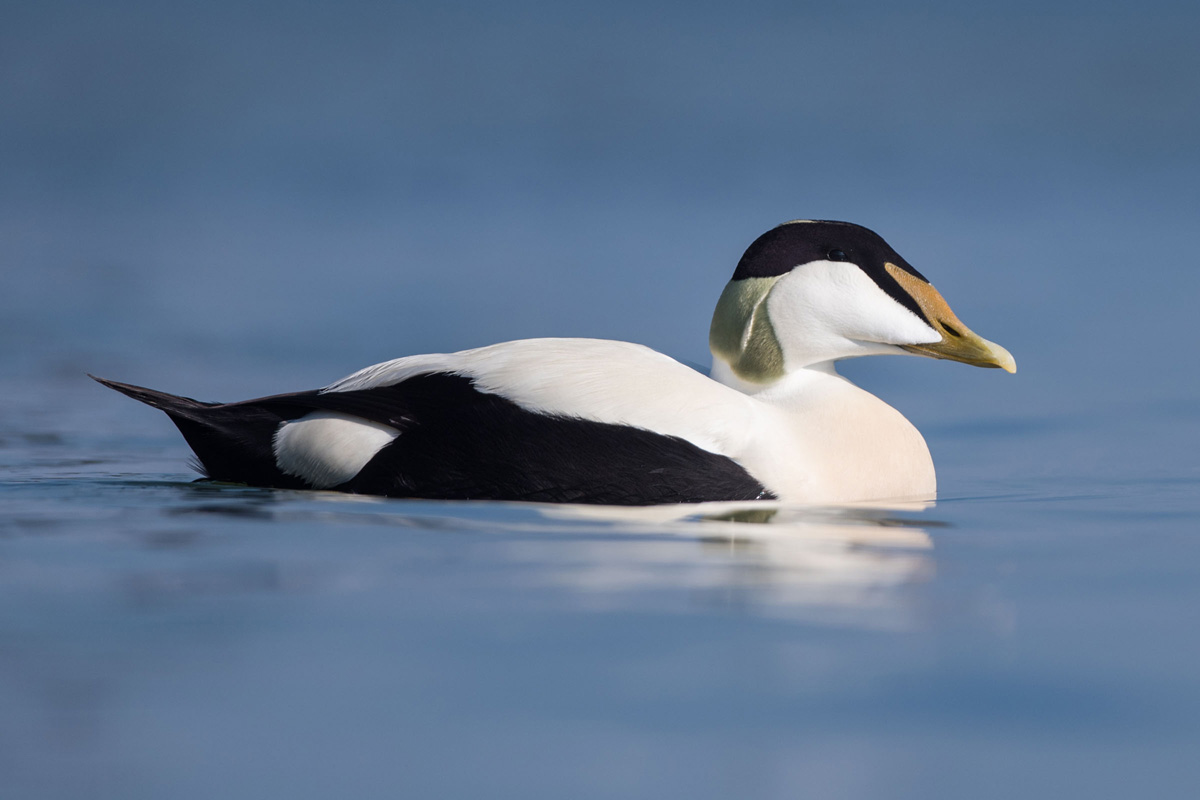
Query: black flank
458,443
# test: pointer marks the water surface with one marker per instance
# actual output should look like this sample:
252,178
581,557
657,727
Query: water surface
160,637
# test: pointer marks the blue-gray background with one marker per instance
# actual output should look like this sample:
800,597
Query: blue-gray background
231,199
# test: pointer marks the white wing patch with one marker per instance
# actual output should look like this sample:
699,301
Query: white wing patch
326,449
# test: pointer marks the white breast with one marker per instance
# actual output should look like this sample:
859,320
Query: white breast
836,443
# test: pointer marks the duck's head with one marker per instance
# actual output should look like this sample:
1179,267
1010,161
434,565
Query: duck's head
809,292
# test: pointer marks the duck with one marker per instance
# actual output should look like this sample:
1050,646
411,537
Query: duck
594,421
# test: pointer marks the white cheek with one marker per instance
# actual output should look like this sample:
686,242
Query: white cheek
836,311
326,449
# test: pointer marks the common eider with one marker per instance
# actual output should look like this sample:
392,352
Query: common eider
597,421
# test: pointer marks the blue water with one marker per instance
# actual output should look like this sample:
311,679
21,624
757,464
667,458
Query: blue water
234,201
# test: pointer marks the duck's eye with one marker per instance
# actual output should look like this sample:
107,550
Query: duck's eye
836,255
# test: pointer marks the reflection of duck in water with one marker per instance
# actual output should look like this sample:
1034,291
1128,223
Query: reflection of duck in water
594,421
844,565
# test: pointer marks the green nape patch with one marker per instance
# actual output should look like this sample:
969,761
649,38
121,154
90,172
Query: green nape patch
741,331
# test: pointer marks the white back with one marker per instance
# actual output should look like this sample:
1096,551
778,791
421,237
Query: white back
594,379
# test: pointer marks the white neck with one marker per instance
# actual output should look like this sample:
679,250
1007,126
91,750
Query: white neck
774,391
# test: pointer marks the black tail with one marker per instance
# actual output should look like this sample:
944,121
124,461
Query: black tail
233,441
172,404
